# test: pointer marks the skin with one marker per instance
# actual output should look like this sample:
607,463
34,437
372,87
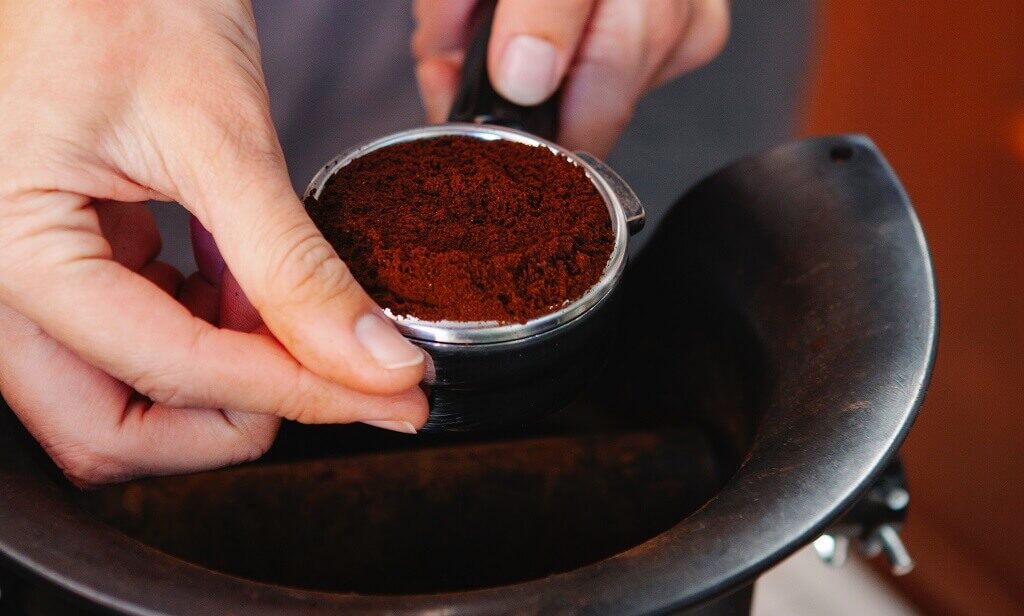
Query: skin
117,365
609,53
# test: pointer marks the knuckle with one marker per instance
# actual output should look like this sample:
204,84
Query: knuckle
609,51
46,229
310,401
710,32
305,401
239,135
162,386
172,383
301,414
231,137
252,440
162,389
87,464
310,271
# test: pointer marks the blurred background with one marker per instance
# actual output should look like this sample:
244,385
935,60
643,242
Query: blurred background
940,88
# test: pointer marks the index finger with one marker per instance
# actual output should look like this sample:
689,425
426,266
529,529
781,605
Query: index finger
128,327
440,26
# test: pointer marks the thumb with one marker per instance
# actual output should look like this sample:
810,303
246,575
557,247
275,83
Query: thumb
302,290
532,45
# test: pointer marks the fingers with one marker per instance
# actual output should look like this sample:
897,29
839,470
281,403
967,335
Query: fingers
438,47
304,293
237,313
614,51
533,42
135,241
438,80
631,47
62,279
705,34
205,251
235,310
97,431
163,275
201,298
531,48
440,26
408,407
131,231
608,76
200,292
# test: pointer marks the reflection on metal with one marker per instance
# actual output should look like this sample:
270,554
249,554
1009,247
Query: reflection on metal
624,207
897,499
832,549
889,542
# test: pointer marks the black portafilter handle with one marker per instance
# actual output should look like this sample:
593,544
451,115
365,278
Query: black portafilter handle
478,101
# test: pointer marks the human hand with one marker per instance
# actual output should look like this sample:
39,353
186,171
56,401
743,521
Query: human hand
610,53
105,104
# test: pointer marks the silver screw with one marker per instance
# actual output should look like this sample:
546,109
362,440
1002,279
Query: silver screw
832,549
894,549
897,499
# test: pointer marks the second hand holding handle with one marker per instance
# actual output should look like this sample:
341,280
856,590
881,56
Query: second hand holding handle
478,101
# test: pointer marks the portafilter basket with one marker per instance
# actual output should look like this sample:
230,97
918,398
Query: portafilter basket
485,374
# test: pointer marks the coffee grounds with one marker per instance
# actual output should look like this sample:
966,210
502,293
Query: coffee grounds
463,229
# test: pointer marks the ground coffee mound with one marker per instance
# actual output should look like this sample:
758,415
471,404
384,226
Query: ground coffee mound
462,229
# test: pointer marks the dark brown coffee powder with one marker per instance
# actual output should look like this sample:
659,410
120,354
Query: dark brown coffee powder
463,229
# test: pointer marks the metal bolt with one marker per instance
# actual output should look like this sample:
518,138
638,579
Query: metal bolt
894,549
832,549
897,498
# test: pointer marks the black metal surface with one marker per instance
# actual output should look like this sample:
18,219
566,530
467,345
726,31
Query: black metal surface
486,514
487,386
735,603
476,99
808,267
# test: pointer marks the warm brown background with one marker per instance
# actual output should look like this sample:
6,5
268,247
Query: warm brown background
940,87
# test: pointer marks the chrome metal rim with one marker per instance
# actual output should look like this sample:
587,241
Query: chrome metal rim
485,332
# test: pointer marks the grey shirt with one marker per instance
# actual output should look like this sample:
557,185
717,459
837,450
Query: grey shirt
339,72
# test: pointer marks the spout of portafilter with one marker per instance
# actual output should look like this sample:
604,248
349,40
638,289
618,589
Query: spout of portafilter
476,99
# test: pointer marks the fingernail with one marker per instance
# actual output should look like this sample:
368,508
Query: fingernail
526,72
385,343
394,426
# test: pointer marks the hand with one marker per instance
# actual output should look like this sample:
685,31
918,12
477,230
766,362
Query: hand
610,52
109,358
